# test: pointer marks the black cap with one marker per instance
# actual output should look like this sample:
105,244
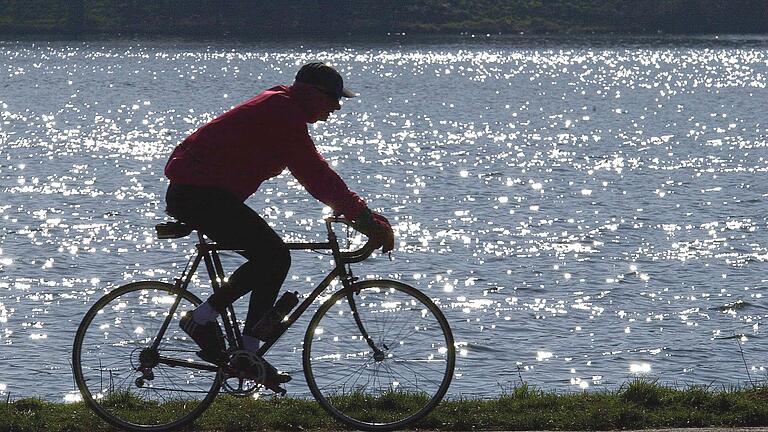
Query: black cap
325,77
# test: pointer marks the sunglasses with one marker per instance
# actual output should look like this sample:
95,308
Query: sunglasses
328,93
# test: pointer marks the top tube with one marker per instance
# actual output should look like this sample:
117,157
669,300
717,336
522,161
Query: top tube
352,256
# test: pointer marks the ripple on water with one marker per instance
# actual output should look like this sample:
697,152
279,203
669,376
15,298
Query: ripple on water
583,214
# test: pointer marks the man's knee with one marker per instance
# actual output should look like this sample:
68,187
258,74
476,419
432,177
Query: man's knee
282,258
276,257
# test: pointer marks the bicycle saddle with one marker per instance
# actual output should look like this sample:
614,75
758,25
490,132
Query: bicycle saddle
172,230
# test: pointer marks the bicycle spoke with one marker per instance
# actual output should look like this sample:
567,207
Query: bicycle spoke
403,378
127,377
393,315
346,377
424,365
420,374
119,330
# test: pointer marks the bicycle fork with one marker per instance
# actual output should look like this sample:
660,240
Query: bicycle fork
348,280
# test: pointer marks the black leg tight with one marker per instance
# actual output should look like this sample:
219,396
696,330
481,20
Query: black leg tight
230,222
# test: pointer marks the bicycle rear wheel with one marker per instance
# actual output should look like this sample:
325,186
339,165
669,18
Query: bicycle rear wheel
398,382
123,379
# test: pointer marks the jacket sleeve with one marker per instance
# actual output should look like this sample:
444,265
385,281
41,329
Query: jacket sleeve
313,172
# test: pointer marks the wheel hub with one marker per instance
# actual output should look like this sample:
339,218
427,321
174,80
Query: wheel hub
149,358
379,356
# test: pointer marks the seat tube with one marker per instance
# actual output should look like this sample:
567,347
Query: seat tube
209,252
232,329
216,275
181,284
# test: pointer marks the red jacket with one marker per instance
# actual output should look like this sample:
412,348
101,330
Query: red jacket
256,141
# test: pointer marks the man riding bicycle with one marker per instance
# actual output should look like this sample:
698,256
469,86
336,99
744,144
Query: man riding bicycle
214,170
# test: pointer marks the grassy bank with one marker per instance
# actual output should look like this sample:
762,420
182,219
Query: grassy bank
635,405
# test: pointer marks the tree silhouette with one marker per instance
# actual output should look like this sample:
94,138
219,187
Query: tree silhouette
309,18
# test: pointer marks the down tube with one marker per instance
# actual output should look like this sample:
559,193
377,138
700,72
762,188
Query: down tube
303,307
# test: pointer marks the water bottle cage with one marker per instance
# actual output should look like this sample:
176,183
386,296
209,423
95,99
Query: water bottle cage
350,277
272,324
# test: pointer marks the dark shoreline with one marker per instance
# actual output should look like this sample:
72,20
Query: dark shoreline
371,18
6,32
523,41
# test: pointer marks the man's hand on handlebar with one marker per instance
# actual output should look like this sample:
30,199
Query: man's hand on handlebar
377,228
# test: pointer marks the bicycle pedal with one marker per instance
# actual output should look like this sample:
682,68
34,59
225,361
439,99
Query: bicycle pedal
277,390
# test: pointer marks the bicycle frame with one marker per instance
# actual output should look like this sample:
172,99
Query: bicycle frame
413,357
209,254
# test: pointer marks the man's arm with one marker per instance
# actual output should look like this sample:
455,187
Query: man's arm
313,172
321,181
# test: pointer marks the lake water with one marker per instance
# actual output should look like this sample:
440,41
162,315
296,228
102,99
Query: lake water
588,211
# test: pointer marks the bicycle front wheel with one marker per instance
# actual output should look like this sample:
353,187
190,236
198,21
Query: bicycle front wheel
385,366
128,382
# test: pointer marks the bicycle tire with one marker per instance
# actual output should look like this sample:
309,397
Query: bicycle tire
108,346
332,348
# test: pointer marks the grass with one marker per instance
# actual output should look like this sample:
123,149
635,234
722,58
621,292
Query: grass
636,405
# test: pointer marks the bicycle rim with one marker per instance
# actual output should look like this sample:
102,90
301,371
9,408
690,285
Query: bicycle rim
401,384
112,340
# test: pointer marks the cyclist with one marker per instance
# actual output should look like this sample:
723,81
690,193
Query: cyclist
214,170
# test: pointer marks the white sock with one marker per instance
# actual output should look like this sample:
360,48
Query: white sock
251,343
204,314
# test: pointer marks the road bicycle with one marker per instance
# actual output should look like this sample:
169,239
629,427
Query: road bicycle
377,354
